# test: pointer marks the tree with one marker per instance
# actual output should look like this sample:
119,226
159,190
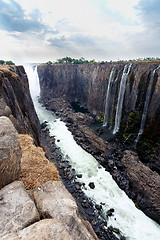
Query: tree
49,63
2,62
9,63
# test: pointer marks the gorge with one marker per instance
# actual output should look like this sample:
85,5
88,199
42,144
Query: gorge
94,87
88,83
85,84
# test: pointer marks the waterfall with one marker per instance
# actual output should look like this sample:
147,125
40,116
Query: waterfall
33,80
121,97
113,93
108,97
146,104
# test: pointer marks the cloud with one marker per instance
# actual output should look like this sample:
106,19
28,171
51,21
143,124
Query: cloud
82,39
14,19
149,12
59,42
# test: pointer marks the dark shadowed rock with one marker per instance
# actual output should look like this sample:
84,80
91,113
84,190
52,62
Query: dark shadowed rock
145,182
16,102
91,185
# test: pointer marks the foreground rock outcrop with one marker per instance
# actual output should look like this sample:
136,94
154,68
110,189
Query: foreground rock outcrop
16,208
54,201
20,216
10,152
21,211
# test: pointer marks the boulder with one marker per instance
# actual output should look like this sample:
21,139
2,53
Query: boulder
17,210
54,201
146,184
10,152
44,229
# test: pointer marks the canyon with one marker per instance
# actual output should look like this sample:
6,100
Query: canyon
134,168
87,84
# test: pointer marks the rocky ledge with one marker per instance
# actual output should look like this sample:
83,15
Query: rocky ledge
46,210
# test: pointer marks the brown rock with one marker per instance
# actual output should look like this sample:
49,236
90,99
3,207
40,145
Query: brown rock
96,143
146,184
35,167
16,102
10,152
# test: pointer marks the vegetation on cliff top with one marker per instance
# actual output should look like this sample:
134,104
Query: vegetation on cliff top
2,62
69,60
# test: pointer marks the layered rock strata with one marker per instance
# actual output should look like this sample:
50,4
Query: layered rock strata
16,102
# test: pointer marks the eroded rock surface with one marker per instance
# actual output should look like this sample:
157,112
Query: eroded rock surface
54,201
10,152
146,184
44,229
17,210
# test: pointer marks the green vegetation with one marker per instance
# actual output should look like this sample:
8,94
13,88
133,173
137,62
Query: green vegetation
49,63
101,117
147,59
2,62
69,60
132,126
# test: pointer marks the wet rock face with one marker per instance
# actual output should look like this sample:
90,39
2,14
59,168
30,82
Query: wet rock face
16,102
10,152
87,83
145,182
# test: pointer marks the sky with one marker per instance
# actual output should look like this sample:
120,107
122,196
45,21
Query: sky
43,30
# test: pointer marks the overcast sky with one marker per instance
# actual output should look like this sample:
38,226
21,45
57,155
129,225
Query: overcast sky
42,30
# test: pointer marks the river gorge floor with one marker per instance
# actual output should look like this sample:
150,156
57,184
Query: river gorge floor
78,124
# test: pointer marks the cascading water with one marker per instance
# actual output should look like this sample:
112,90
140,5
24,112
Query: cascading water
126,71
108,97
113,93
133,224
146,104
33,81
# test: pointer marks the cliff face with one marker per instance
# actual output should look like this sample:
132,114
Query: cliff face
88,83
16,102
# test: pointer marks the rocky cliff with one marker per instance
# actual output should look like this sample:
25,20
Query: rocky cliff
16,102
88,84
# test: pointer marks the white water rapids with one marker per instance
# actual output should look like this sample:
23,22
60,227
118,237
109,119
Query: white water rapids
133,224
